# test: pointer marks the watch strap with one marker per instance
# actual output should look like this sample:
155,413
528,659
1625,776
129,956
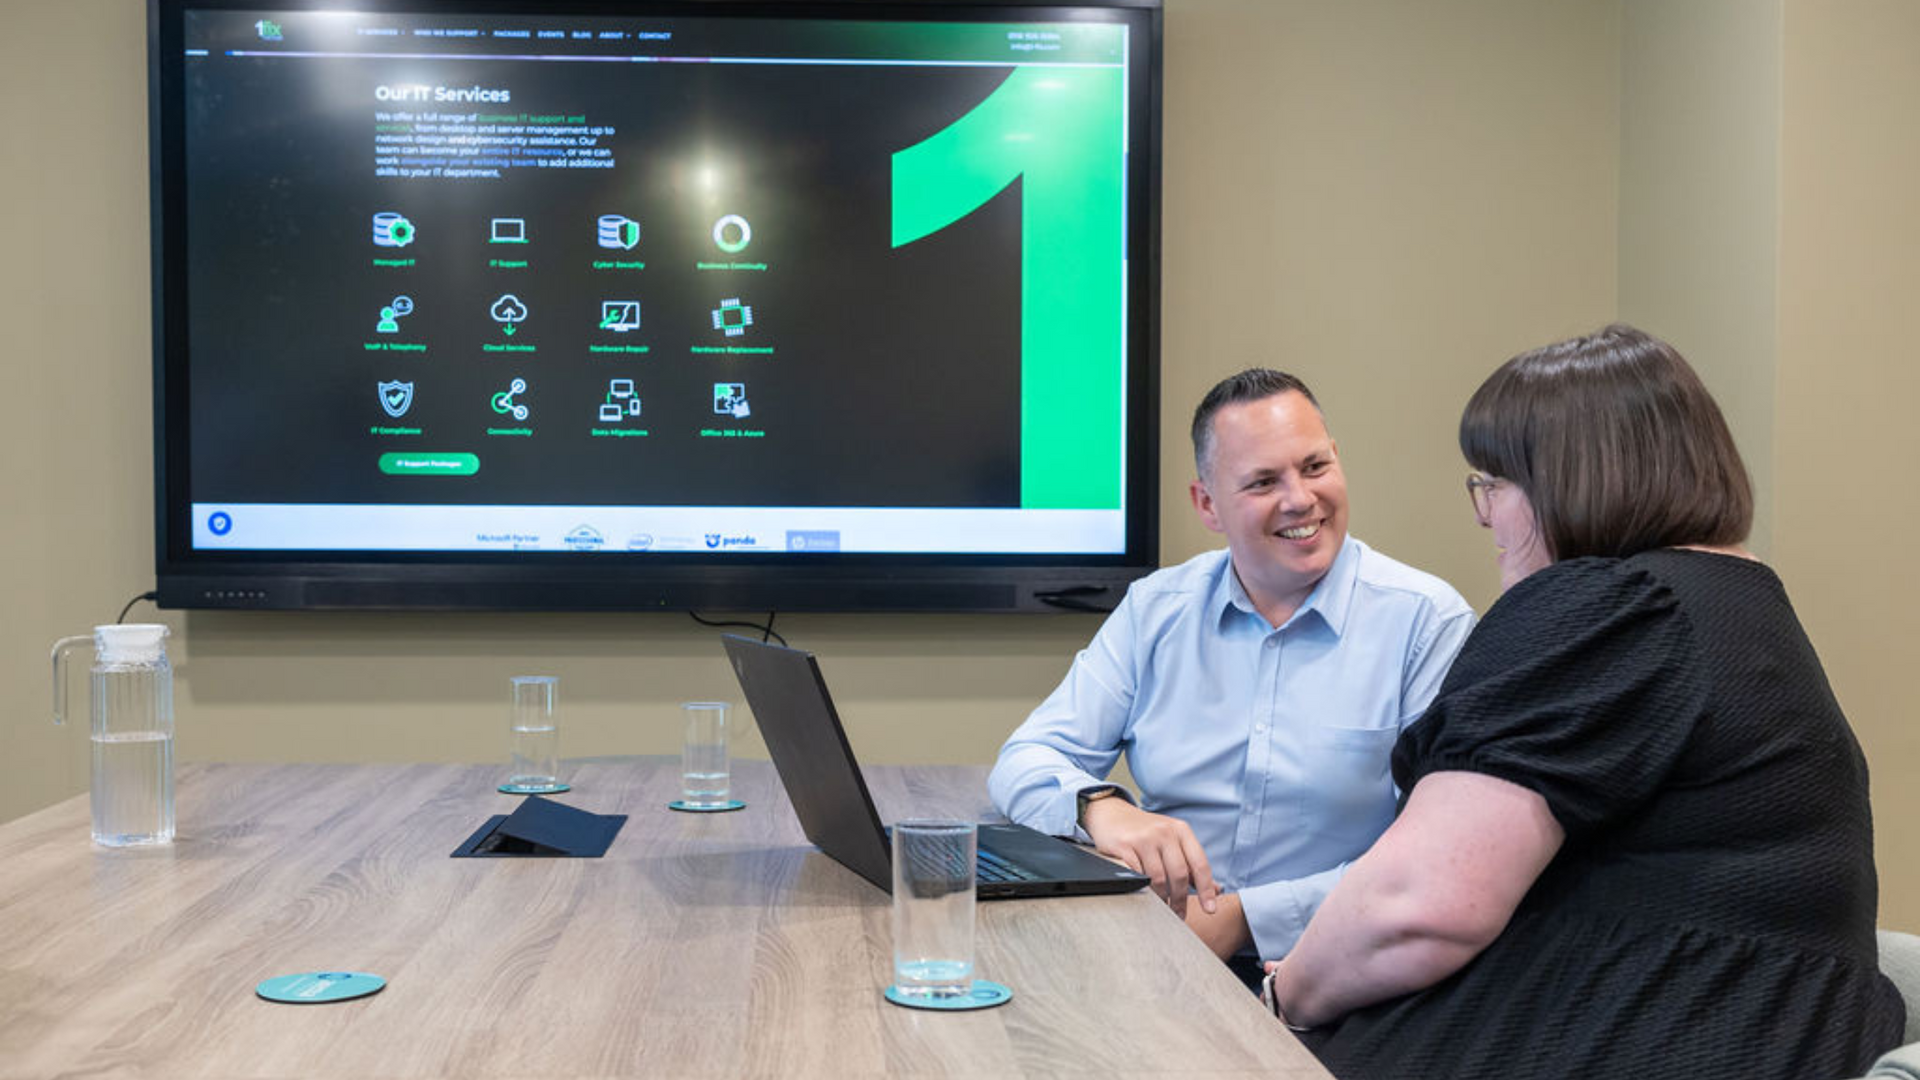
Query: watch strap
1089,795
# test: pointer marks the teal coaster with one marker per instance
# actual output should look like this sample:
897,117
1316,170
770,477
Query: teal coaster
534,789
686,807
320,987
985,995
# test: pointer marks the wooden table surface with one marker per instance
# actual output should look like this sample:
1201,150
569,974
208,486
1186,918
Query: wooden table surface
699,946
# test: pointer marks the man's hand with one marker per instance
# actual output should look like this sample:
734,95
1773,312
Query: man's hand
1161,847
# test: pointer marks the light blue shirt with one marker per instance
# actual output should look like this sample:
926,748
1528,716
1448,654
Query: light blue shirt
1271,743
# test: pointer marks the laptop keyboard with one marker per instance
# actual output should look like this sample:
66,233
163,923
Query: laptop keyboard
991,867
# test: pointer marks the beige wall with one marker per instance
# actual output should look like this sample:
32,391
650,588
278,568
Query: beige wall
1700,203
1849,377
1387,196
75,438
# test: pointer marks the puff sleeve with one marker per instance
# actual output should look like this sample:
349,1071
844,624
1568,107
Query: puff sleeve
1582,684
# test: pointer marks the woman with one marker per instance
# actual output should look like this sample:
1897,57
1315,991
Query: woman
1636,840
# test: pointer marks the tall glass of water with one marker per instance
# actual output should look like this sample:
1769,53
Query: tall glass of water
534,736
933,898
132,732
705,774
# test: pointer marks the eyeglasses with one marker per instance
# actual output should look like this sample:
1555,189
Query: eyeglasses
1480,493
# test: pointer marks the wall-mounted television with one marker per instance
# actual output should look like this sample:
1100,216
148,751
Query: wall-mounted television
636,305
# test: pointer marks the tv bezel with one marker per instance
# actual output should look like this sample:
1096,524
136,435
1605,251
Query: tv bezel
643,581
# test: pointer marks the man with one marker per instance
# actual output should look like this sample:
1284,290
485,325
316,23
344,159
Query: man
1257,691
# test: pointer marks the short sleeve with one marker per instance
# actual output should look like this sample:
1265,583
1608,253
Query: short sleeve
1581,684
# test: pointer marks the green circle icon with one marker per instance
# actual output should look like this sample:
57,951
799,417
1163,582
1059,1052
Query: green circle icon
732,234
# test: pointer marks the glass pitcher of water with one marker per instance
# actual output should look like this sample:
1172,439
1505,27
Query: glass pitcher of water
132,780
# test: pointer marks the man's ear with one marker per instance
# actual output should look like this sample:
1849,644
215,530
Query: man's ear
1203,505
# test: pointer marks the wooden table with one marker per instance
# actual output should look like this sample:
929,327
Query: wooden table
701,945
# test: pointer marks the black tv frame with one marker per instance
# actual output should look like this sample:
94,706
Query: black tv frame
649,581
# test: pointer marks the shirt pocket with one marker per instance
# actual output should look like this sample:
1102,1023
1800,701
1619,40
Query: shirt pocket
1362,740
1349,790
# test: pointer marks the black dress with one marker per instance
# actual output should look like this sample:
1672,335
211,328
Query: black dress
1711,912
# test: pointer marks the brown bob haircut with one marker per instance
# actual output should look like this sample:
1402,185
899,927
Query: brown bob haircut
1616,443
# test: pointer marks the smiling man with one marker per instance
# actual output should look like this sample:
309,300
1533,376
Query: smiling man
1256,692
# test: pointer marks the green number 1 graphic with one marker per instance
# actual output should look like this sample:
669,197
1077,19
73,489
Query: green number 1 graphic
1058,130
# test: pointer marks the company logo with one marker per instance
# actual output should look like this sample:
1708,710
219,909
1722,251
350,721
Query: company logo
268,30
721,540
813,539
584,538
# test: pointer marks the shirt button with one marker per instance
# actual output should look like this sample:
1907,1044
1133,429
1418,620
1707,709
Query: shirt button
1259,729
1273,643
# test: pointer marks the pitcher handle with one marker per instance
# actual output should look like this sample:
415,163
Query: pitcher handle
60,674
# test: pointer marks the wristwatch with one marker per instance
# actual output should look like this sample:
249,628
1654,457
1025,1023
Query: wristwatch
1095,794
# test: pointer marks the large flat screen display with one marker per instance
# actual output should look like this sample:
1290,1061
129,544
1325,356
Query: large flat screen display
632,306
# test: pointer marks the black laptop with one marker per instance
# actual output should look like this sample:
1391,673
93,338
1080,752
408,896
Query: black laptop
790,702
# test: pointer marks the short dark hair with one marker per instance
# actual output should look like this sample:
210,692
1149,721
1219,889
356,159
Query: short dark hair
1253,384
1617,444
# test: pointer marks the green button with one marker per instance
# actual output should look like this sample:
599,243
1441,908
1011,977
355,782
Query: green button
427,463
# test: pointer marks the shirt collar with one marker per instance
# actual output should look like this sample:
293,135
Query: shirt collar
1330,599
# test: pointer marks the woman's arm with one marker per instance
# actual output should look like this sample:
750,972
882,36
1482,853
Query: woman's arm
1435,889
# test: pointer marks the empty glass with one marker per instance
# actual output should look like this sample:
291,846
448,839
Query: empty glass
933,898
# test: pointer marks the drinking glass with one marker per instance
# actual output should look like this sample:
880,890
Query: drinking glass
534,737
933,898
705,778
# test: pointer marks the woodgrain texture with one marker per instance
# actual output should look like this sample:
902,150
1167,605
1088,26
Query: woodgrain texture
700,946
